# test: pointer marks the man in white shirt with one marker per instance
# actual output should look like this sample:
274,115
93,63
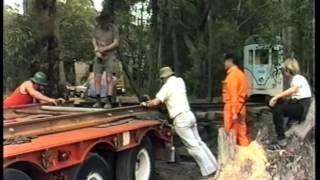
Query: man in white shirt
173,94
292,103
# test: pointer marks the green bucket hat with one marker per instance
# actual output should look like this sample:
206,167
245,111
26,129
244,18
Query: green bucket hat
166,72
40,78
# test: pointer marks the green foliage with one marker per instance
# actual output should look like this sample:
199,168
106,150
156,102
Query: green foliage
25,37
17,35
232,23
77,20
204,30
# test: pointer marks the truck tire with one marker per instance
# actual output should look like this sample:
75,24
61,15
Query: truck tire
136,163
15,174
94,168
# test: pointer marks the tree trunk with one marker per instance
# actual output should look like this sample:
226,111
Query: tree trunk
175,51
133,85
287,30
313,52
163,21
161,35
153,50
210,58
62,75
43,13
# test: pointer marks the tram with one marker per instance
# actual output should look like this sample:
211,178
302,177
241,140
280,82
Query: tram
262,65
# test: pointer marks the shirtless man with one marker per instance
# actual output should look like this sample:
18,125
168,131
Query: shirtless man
29,92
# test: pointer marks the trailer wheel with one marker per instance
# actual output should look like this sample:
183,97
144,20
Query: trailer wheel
15,174
94,168
137,163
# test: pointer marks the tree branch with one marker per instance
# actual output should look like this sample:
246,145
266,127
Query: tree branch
251,15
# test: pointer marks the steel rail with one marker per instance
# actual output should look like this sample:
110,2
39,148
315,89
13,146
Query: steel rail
31,111
61,123
70,109
95,117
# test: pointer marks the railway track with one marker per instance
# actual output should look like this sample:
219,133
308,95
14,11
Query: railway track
219,106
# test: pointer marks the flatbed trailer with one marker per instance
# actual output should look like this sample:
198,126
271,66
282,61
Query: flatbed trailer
62,143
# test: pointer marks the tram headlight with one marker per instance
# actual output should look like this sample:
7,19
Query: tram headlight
261,79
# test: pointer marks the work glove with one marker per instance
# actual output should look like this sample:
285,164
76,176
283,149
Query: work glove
99,55
53,101
144,104
61,100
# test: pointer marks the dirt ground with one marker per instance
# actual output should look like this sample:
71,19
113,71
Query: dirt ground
186,168
177,171
251,167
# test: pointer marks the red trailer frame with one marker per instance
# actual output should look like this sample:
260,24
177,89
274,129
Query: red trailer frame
55,156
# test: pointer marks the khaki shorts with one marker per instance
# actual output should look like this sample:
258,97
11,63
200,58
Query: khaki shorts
110,64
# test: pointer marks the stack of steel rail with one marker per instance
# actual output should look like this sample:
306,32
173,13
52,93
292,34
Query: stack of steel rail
35,120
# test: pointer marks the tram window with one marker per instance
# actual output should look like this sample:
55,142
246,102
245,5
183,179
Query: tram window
250,60
275,57
262,57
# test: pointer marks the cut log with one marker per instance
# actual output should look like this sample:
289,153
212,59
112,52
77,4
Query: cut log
226,146
302,130
262,134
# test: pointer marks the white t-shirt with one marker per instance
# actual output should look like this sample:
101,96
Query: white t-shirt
174,94
304,90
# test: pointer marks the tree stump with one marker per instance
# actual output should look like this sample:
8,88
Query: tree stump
302,130
226,146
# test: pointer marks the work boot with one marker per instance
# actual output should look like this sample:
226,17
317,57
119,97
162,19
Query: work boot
97,105
208,177
98,102
107,106
109,98
278,145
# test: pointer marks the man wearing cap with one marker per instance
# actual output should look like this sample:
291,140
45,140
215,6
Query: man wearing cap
105,41
173,94
28,91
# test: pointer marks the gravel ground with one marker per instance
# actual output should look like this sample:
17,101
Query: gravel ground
295,163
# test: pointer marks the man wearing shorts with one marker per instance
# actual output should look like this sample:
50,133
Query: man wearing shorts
105,41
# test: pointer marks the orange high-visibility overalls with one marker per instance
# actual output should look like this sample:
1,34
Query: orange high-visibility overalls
235,90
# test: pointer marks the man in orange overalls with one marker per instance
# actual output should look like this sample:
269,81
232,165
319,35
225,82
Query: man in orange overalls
235,90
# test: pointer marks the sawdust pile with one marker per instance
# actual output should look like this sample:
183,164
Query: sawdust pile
295,162
250,163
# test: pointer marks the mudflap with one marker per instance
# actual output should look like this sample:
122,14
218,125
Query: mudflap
166,153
